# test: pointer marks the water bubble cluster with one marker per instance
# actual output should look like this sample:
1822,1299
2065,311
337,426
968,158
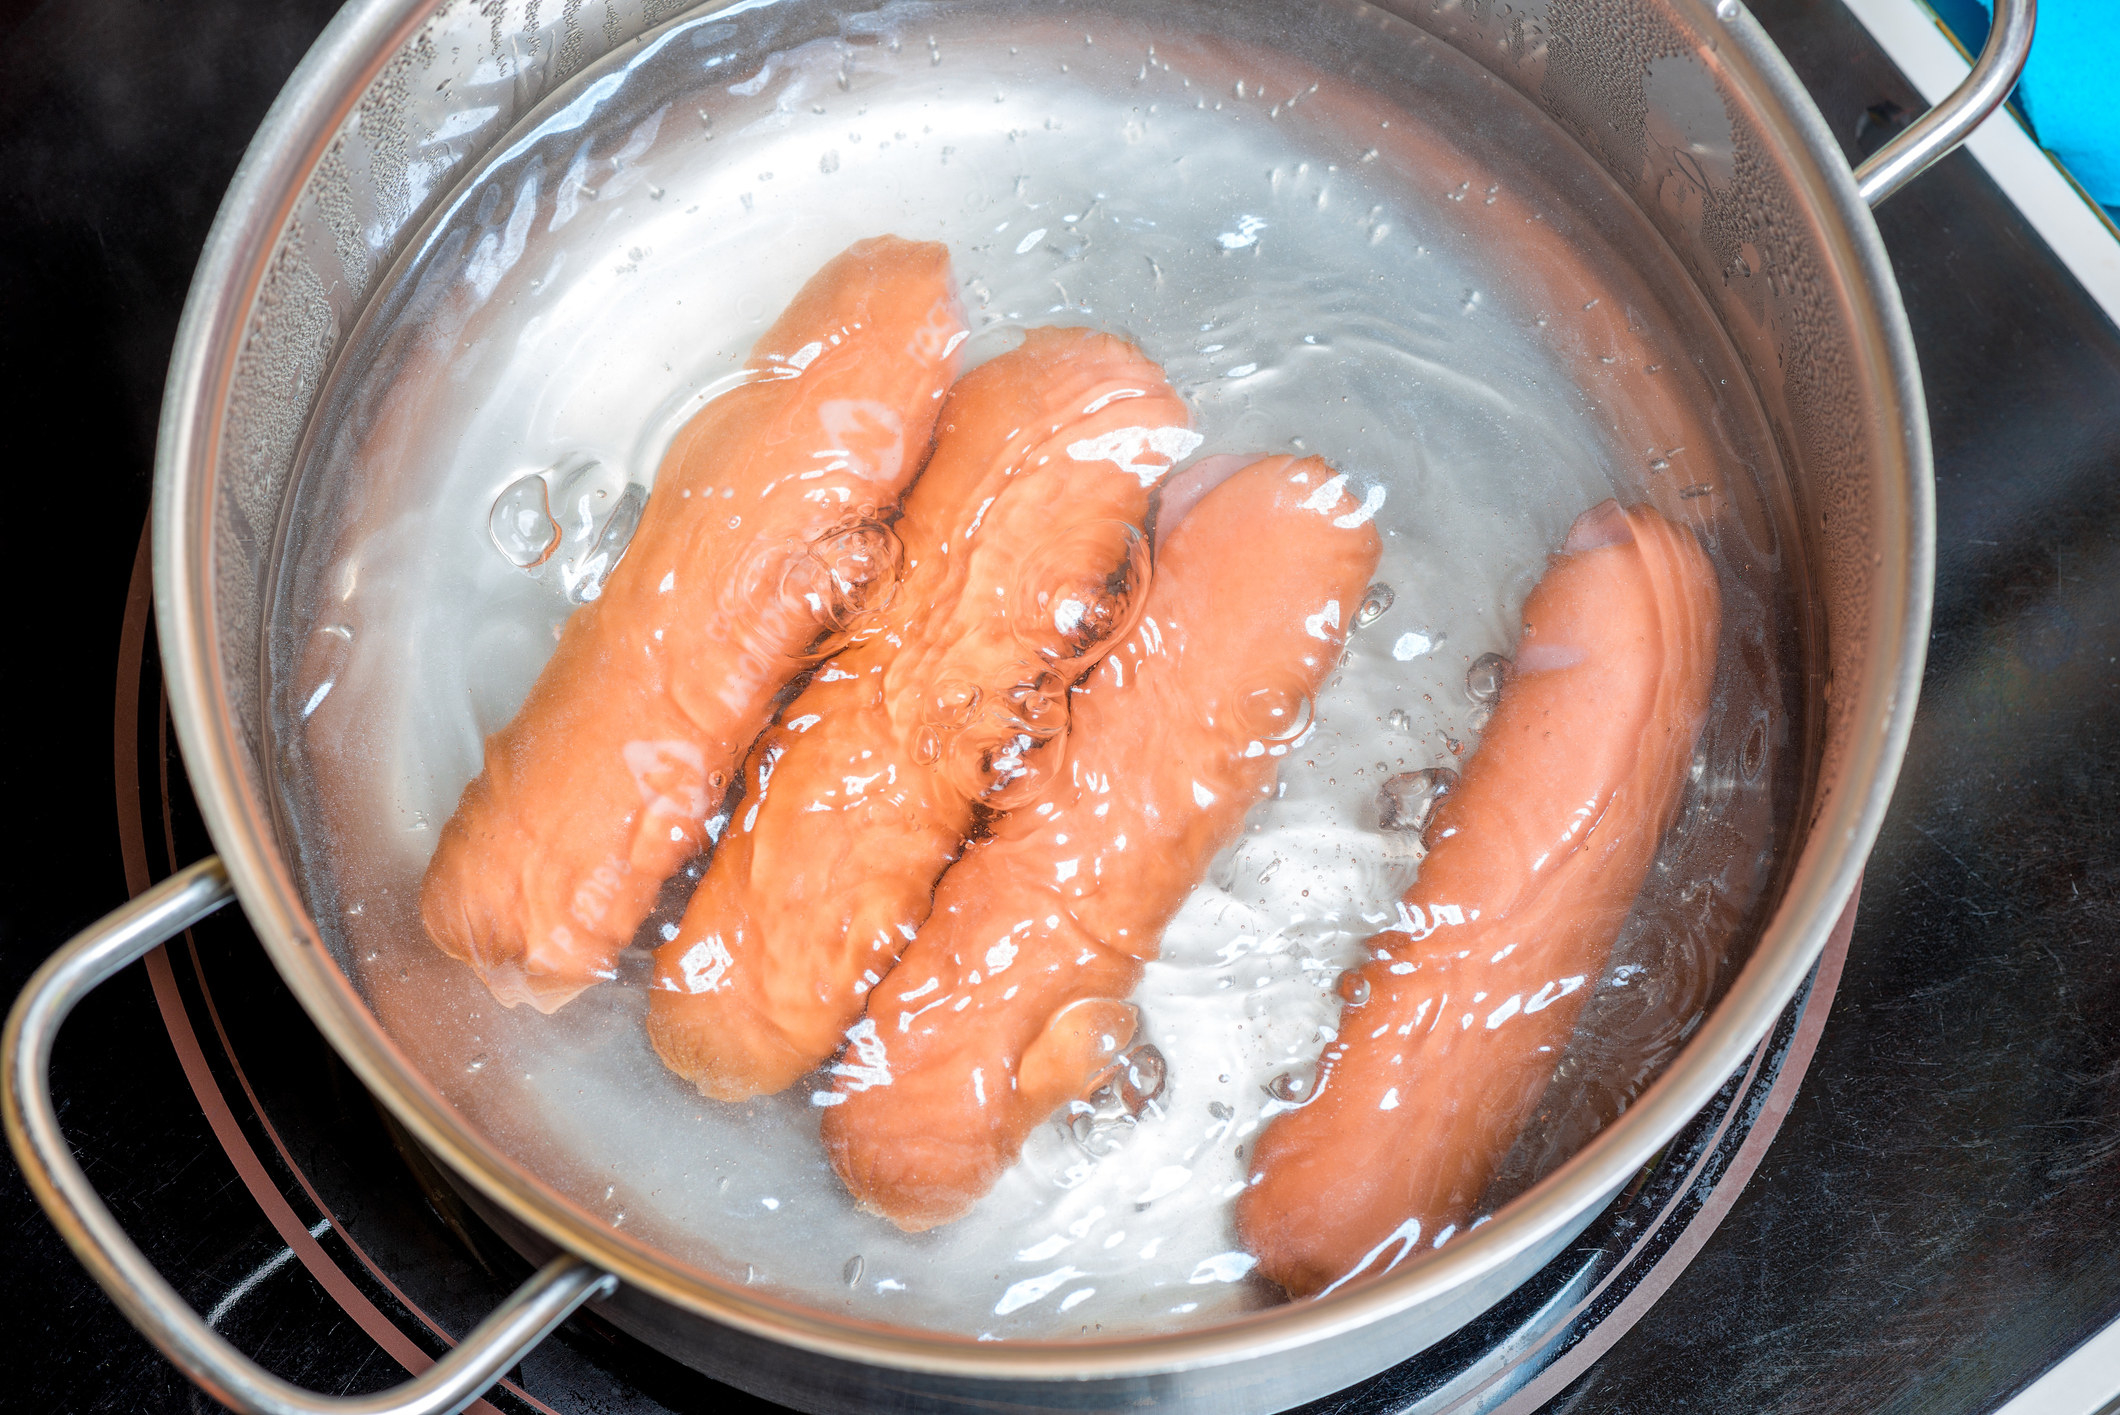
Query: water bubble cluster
851,570
586,507
1124,1093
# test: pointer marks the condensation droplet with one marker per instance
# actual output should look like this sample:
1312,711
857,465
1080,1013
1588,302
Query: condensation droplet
1752,756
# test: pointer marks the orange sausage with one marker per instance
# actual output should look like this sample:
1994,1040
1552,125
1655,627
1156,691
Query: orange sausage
764,535
1025,562
1011,1000
1536,860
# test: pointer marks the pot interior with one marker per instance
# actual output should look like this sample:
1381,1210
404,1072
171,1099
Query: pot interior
1494,267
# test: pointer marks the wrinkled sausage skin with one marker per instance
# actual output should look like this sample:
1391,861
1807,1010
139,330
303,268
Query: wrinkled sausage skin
1026,560
767,529
1012,998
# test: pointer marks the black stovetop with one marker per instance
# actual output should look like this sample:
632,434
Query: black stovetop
1937,1222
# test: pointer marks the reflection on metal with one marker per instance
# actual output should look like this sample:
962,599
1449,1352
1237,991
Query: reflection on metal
2072,224
95,956
1931,137
233,1298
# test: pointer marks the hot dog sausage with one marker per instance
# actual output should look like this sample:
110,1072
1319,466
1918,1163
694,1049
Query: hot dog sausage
765,532
1025,561
1013,996
1535,862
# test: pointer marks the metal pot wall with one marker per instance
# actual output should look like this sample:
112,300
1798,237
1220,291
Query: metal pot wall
332,191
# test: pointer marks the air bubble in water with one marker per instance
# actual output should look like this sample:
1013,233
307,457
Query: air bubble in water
1290,1087
582,496
521,523
1375,600
1099,1135
1483,684
1141,1077
1081,590
954,703
849,571
1275,713
1399,720
1117,1099
852,1271
1407,800
1352,987
584,577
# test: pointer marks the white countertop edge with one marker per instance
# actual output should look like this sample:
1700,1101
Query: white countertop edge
2086,1382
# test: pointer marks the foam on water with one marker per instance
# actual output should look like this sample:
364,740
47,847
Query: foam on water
1359,246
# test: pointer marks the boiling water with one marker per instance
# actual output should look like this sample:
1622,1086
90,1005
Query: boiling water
1346,241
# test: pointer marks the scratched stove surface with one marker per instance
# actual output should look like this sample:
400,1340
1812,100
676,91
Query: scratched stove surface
1938,1221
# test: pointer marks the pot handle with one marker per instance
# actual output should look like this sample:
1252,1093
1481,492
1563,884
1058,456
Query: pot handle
1935,134
98,954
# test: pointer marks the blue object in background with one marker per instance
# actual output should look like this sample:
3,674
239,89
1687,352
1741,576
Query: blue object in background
2070,92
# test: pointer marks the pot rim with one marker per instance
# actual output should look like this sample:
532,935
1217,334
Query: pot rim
295,134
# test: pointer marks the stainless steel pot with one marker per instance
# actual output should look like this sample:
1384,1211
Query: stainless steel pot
330,192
